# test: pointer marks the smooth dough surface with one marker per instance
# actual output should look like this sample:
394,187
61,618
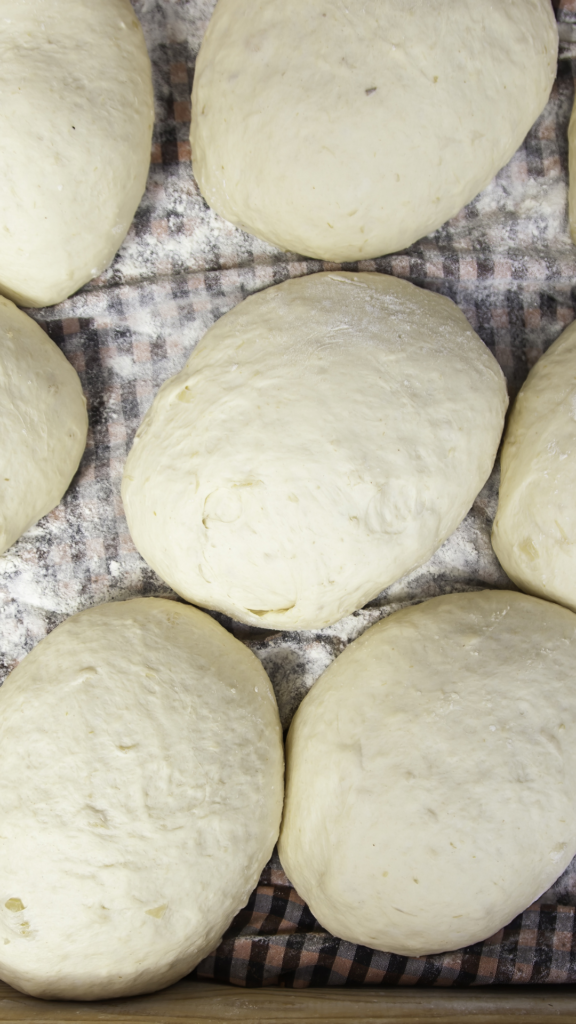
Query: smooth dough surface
43,423
346,131
534,534
324,438
76,116
140,796
430,773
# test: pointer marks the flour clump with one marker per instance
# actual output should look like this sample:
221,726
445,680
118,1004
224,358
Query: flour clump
430,774
324,438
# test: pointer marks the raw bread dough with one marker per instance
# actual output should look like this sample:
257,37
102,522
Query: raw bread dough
346,131
534,533
76,116
430,773
325,437
140,796
43,423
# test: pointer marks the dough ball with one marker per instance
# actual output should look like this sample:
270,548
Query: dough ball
430,773
76,123
534,533
324,438
346,131
43,423
140,797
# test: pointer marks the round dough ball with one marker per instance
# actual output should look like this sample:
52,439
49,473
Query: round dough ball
346,131
324,438
76,123
534,533
43,423
140,797
430,773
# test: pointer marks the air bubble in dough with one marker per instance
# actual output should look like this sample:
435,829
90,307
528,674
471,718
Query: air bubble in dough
76,125
43,423
534,533
430,773
348,130
324,438
140,796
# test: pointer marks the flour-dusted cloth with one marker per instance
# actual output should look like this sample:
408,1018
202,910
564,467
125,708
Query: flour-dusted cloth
507,260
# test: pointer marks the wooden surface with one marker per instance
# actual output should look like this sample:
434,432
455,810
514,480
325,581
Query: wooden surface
219,1004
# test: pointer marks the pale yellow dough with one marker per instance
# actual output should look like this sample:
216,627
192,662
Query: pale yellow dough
430,773
140,796
76,116
324,438
534,533
349,130
43,423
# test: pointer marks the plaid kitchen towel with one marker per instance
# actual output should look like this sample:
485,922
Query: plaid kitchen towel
507,260
275,940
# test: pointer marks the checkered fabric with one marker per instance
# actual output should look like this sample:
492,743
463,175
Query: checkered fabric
275,940
506,260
